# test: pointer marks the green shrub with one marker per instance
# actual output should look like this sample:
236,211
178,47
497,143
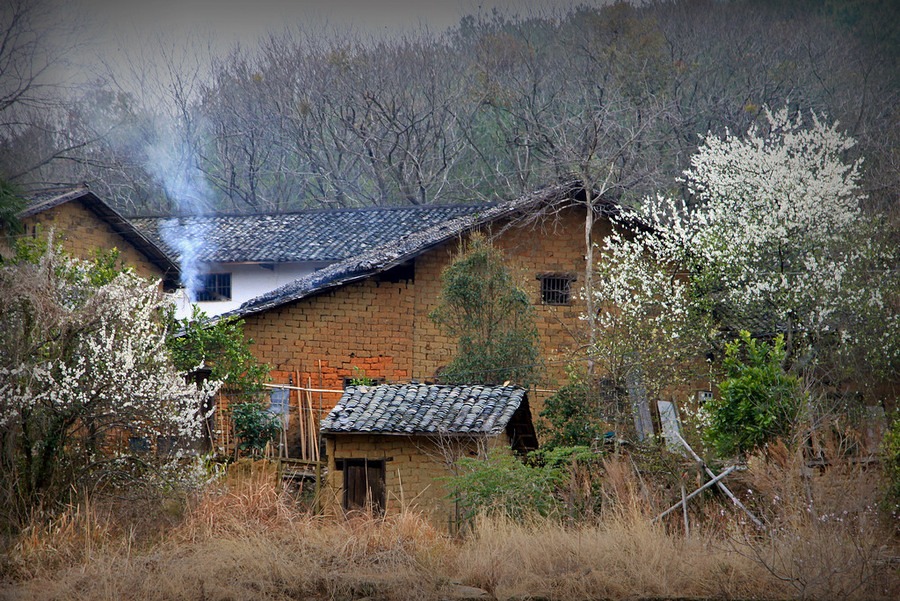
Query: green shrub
890,461
501,483
254,426
574,416
758,401
490,317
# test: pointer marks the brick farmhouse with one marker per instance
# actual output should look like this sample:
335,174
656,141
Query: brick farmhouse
369,315
243,256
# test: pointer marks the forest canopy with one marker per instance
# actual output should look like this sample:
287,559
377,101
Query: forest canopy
496,106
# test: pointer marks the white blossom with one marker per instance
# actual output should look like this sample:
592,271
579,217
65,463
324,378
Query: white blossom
92,357
774,234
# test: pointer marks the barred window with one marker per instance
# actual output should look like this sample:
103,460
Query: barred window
215,287
556,288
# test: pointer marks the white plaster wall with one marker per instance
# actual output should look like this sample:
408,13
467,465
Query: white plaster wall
248,280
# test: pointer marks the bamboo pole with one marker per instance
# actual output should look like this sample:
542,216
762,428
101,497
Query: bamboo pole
319,420
301,425
303,388
313,430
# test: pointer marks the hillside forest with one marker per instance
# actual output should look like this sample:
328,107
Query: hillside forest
496,106
746,155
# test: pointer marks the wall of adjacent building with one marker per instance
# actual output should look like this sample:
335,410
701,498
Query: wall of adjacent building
249,280
80,231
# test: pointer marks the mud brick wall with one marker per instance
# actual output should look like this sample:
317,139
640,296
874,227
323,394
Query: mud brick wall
79,231
414,471
381,329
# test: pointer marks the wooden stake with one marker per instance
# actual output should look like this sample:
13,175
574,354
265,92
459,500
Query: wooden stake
687,528
313,425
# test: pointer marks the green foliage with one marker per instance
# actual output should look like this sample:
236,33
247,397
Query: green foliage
573,415
501,483
890,463
219,346
29,250
11,202
491,318
105,266
254,426
758,400
361,379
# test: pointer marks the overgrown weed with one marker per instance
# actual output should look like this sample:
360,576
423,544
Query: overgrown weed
248,540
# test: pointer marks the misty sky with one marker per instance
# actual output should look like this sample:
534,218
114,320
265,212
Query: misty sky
245,20
118,31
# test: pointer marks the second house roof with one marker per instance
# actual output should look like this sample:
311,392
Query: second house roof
424,409
315,235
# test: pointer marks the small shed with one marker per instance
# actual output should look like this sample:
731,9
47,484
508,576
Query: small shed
391,445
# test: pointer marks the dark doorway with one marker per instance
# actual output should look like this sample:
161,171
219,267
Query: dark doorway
364,484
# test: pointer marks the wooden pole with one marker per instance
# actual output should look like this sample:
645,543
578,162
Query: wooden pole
318,491
302,388
721,486
687,528
319,420
313,426
712,482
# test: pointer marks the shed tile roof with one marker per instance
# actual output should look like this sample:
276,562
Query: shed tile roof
315,235
424,409
406,247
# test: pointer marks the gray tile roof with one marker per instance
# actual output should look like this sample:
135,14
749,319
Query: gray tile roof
315,235
404,248
43,200
424,409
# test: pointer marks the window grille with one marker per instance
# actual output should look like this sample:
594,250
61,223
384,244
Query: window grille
138,444
166,445
556,289
215,287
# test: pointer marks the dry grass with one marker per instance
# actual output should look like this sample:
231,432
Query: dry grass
246,541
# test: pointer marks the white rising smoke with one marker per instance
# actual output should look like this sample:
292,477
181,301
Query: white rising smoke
171,163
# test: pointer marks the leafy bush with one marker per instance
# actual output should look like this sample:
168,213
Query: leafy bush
890,461
501,483
574,417
220,346
254,426
758,400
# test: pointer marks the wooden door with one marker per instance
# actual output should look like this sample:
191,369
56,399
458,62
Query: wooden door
364,484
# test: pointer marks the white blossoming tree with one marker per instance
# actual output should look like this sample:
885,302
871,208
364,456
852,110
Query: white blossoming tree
773,240
83,365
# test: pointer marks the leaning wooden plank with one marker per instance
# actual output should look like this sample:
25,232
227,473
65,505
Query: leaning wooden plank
301,422
313,434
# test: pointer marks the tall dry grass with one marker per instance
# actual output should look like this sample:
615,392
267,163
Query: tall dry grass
248,541
244,541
